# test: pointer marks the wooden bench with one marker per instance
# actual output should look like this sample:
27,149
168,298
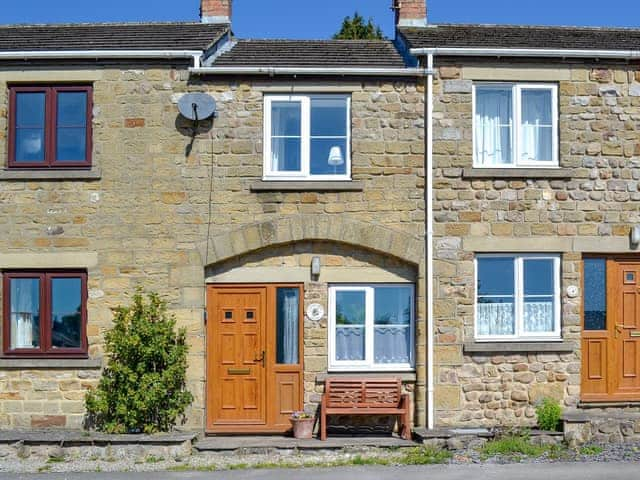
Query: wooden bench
368,396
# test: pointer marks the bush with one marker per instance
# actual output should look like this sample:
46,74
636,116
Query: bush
143,387
549,414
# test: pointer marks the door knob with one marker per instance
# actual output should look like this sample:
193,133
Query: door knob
619,329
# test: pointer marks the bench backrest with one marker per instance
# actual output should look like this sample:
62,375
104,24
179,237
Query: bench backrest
362,393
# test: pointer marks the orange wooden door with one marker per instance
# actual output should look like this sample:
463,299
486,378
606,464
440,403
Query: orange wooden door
611,330
236,357
625,332
254,357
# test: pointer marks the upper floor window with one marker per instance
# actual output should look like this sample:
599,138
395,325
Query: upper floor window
50,126
515,125
45,313
518,297
307,137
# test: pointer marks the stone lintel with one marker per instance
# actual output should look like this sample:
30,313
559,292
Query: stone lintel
51,175
51,363
519,347
302,186
517,73
519,173
48,260
306,87
513,244
303,274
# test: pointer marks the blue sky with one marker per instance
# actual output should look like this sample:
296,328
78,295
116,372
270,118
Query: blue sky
290,18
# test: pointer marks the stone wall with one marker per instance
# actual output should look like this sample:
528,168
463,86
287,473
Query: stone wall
589,211
160,196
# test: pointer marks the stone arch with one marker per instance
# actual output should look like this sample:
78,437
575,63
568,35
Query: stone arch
257,236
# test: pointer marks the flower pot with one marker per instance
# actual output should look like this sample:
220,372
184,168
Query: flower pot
302,427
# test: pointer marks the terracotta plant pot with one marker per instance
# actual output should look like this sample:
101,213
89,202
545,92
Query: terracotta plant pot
302,427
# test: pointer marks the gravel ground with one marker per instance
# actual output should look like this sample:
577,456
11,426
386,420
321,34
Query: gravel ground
122,463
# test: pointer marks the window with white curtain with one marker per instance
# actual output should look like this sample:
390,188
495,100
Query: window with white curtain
515,125
371,327
307,137
517,297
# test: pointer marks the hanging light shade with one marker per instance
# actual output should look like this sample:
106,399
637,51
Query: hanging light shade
335,156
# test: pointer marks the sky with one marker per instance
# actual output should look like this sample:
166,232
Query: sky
291,18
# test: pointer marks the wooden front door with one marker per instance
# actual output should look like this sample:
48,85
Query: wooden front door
254,357
611,350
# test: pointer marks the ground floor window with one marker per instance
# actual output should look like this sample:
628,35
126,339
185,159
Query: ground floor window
45,313
517,297
371,327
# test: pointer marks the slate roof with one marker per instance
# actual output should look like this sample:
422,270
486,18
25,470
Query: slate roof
312,53
505,36
110,36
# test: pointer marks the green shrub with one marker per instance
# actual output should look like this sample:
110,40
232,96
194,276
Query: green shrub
426,456
143,387
512,444
549,414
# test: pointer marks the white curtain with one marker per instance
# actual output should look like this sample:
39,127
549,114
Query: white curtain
24,295
392,344
496,319
350,343
288,315
538,317
277,145
535,136
492,126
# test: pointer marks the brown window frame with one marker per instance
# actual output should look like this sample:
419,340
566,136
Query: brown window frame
50,126
46,349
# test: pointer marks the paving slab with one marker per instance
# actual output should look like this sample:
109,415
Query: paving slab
82,437
229,443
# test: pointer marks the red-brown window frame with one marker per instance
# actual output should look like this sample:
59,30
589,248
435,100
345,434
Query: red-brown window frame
46,349
50,125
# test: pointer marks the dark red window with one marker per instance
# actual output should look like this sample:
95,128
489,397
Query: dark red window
45,313
50,126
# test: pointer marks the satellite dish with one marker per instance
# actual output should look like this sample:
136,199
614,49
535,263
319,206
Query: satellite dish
197,106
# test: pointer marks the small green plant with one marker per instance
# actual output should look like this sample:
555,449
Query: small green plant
549,414
589,450
426,456
512,445
56,459
143,388
153,459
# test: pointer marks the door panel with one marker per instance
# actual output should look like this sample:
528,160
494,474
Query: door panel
237,338
248,390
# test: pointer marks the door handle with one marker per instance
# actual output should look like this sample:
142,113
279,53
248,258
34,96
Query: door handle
619,329
261,359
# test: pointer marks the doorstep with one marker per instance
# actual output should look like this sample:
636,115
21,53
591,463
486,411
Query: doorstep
252,443
83,437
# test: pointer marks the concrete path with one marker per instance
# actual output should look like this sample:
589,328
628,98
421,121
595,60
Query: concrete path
567,471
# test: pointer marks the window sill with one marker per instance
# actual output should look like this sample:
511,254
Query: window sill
306,186
50,174
519,347
517,173
49,363
406,377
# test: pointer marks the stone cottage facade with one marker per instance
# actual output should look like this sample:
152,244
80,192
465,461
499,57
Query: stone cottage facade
198,219
500,216
297,234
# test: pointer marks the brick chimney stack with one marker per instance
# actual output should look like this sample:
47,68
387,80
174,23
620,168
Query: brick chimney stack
215,11
410,13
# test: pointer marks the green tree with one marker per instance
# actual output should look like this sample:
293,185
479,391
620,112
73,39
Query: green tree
143,387
355,28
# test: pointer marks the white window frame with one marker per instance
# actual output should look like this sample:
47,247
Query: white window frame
305,132
368,364
520,334
516,118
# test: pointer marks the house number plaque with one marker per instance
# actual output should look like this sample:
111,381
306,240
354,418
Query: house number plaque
315,312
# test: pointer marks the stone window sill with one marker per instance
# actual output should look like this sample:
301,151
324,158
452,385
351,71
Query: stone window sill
51,363
51,175
302,186
519,347
517,173
406,377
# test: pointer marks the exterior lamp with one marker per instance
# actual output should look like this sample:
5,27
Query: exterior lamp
634,235
315,266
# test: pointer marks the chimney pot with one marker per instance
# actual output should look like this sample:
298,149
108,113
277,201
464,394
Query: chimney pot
215,11
410,13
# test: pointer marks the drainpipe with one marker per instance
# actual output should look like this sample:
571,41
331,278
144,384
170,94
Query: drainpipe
428,118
